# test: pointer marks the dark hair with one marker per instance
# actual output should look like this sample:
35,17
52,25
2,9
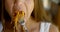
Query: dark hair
32,14
6,15
4,12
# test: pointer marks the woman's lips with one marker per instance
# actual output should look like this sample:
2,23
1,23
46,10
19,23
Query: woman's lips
21,13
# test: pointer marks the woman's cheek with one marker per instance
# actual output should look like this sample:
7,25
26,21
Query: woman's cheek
9,6
30,7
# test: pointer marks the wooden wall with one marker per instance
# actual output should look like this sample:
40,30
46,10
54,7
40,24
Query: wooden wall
0,8
58,17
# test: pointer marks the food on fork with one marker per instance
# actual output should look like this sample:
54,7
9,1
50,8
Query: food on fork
17,17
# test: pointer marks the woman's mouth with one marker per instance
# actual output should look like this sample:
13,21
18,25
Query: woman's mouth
19,14
19,11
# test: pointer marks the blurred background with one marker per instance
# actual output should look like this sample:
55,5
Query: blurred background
0,8
0,15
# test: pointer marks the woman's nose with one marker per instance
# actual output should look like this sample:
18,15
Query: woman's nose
18,4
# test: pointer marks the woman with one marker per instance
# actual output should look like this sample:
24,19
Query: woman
33,24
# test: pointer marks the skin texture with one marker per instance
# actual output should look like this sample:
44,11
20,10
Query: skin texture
27,6
34,26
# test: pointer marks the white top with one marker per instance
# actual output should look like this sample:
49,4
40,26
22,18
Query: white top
45,27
